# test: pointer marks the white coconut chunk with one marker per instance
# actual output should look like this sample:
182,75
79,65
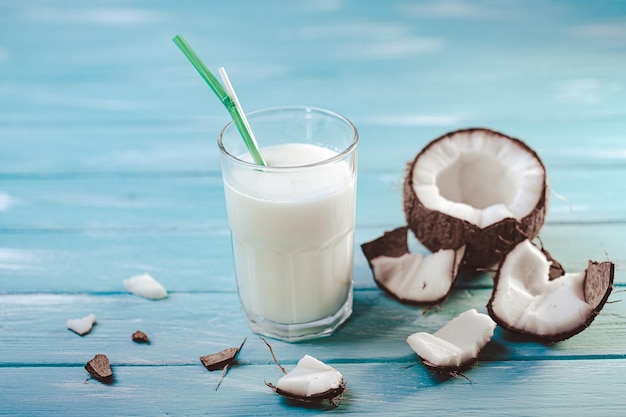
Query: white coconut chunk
526,299
482,171
434,350
145,286
418,278
455,344
82,326
310,378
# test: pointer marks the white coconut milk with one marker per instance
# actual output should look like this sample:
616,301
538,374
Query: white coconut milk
292,234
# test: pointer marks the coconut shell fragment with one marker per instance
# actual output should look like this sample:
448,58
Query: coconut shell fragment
219,360
311,381
222,359
393,243
412,278
527,298
100,368
140,337
479,188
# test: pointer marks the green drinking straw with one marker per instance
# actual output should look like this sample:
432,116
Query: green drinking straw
235,111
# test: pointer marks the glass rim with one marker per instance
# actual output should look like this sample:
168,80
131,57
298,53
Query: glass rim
308,109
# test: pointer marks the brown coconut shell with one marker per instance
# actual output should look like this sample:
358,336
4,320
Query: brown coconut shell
556,269
485,246
450,370
100,368
392,243
598,285
333,396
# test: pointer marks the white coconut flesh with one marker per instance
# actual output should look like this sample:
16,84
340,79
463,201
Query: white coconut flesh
457,343
418,278
146,286
479,177
83,325
525,299
310,378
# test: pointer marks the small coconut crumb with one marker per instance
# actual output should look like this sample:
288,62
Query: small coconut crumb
82,326
456,344
145,286
140,337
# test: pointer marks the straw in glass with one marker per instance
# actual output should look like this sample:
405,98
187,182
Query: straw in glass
231,92
230,102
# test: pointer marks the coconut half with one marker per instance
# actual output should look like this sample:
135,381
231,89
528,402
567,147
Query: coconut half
412,278
454,347
477,187
529,298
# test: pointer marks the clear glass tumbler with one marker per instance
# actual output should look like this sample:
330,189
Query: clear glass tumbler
292,222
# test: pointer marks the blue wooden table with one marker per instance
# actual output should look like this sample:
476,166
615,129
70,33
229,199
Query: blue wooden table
109,168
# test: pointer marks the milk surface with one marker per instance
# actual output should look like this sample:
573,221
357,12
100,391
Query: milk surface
293,234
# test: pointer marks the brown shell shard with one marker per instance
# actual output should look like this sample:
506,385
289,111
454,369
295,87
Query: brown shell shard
392,243
140,337
219,360
599,283
99,368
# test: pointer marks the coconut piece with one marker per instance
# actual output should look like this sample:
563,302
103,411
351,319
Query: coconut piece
140,337
311,381
145,286
219,360
475,187
454,347
411,277
528,300
82,326
99,368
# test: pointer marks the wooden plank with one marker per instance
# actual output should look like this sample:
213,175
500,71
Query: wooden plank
94,112
96,261
149,201
197,199
175,143
185,326
544,387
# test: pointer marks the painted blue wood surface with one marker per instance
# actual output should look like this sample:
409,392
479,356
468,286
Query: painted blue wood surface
109,168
